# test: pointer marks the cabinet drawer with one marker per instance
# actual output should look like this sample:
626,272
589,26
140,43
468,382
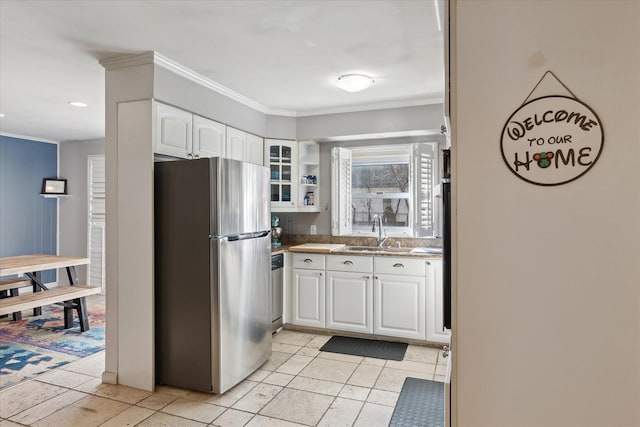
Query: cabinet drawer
308,261
401,266
362,264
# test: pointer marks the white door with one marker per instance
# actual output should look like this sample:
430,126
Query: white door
97,221
349,301
254,152
399,303
308,298
173,131
209,138
236,142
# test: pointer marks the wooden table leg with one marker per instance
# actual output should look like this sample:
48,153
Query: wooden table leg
83,316
18,314
80,305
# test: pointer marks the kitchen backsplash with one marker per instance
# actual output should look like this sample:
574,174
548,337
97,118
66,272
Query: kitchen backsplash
297,239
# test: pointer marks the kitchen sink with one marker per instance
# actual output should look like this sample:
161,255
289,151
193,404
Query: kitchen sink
426,251
374,249
390,250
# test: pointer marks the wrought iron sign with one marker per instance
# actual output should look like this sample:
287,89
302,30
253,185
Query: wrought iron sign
552,139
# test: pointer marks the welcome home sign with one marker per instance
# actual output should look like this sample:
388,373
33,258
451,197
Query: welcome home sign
552,140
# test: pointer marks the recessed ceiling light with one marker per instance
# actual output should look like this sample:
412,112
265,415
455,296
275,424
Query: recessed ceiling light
78,104
1,115
354,82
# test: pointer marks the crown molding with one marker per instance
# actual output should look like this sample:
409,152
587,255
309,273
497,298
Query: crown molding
29,138
189,74
384,105
155,58
381,135
127,60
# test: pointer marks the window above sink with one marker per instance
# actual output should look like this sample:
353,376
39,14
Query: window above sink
393,181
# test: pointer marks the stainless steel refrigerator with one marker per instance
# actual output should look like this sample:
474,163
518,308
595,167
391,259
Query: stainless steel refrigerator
212,272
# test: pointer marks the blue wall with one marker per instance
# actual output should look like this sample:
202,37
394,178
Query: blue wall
27,220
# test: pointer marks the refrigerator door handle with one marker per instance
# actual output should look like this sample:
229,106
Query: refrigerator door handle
243,236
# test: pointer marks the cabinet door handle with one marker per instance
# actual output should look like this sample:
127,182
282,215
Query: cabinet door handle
190,156
398,265
320,274
308,261
347,262
367,277
428,263
197,156
375,277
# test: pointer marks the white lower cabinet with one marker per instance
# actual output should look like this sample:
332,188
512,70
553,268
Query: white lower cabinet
399,306
392,296
349,301
308,307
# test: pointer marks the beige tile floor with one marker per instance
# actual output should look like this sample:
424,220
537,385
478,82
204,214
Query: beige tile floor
299,385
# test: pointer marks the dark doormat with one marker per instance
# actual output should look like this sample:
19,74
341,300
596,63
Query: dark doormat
366,348
421,403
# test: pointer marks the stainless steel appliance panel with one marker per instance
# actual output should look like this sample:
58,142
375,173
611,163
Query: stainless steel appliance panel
241,200
277,268
182,275
241,302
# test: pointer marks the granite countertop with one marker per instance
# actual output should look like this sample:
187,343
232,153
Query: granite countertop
282,249
285,248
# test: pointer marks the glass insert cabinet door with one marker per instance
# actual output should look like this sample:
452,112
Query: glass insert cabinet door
282,163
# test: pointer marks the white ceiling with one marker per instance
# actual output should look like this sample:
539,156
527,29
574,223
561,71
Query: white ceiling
282,54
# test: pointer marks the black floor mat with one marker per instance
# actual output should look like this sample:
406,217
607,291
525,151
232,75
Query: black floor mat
421,403
366,348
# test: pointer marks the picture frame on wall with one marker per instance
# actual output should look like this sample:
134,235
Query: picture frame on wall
52,186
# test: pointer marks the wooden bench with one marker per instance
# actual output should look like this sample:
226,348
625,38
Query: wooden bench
70,297
15,283
9,287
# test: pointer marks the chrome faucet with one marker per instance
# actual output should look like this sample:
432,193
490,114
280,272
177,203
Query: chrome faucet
381,238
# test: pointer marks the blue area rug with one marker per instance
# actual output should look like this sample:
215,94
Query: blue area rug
38,344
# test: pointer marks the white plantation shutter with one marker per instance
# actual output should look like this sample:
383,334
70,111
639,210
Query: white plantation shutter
341,191
424,170
96,233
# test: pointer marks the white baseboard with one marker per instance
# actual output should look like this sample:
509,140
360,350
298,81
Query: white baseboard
109,377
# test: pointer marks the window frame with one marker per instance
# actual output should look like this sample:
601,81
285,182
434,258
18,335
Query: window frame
416,227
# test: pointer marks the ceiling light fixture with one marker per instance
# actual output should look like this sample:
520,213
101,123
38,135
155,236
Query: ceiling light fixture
78,104
354,82
1,115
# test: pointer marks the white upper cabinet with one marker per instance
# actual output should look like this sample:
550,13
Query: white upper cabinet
244,146
281,158
295,167
254,152
173,131
209,138
308,173
179,133
236,142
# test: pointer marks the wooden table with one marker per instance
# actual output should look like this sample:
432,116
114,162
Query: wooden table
69,297
36,263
